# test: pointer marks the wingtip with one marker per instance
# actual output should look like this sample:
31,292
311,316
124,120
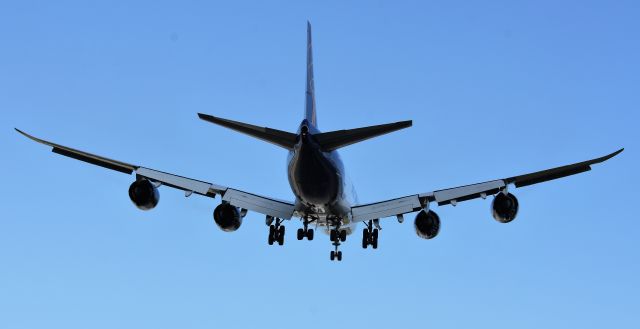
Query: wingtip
33,138
405,124
207,117
609,156
22,132
617,152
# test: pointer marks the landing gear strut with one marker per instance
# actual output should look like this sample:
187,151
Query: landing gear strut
305,232
336,236
370,236
276,230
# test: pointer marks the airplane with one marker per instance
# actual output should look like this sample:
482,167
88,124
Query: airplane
324,197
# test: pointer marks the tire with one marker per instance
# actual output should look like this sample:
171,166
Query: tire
332,255
365,238
332,236
272,231
281,235
310,234
300,234
374,239
339,256
343,236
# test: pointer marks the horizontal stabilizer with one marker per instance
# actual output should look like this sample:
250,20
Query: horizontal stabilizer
273,136
333,140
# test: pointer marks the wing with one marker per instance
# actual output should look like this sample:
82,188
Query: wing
240,199
399,206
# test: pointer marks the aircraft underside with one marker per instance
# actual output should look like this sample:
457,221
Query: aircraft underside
324,198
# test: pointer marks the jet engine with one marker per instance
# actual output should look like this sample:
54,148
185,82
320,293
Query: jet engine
143,194
427,224
227,217
504,207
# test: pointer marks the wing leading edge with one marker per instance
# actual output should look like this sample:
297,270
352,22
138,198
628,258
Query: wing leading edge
399,206
240,199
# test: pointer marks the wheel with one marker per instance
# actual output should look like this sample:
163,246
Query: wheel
374,240
281,235
332,235
365,238
310,234
343,236
272,232
300,234
332,255
339,255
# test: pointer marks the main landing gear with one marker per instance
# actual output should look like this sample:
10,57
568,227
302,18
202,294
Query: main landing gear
336,236
370,236
305,232
276,230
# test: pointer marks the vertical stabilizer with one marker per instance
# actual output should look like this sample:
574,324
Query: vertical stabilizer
310,94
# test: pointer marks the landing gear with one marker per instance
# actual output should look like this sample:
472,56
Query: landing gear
336,236
302,233
305,232
276,232
370,236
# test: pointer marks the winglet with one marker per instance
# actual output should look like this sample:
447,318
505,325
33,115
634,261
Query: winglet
607,157
35,139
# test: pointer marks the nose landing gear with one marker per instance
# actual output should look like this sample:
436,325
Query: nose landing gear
337,236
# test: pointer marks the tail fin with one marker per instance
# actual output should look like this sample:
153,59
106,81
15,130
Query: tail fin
333,140
310,97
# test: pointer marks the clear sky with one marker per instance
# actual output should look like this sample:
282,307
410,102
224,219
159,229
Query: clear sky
495,89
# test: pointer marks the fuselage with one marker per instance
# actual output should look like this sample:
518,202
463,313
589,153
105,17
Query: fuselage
319,182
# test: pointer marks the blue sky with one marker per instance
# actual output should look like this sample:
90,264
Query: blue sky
495,89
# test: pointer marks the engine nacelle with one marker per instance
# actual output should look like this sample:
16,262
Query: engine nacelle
504,207
227,217
427,224
144,195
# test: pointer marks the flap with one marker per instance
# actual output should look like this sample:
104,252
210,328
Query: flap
180,182
271,207
468,192
386,208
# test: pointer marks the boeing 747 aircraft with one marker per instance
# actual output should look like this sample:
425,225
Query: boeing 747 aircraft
324,198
